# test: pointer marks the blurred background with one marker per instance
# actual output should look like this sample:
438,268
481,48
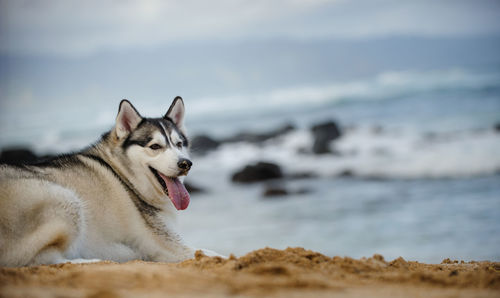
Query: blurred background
346,127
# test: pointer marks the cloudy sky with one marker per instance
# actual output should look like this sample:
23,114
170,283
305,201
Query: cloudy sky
58,27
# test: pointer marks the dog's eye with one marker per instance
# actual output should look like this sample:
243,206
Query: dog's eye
155,147
179,144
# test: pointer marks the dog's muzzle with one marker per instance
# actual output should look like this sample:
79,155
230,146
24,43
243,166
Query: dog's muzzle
184,165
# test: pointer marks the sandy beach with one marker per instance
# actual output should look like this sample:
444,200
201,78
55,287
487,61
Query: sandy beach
327,148
293,272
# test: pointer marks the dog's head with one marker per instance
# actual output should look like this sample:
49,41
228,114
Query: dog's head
154,152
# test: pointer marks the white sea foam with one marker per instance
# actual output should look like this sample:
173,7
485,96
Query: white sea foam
365,153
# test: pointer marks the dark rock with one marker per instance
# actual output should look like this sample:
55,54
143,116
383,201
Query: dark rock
202,144
302,175
191,188
259,137
16,156
275,192
323,134
375,177
497,127
260,172
280,191
346,173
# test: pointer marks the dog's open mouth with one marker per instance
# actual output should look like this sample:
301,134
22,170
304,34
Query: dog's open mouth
174,188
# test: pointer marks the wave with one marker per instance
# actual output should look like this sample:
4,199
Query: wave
363,152
386,85
73,130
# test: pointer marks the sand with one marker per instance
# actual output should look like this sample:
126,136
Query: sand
294,272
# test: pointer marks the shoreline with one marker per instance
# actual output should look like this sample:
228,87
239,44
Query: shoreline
293,272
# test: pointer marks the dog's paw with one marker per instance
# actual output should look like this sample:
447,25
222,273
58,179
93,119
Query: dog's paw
210,253
82,261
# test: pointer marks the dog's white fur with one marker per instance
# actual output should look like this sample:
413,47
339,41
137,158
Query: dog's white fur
102,203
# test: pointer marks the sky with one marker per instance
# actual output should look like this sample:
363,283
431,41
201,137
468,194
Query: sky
75,28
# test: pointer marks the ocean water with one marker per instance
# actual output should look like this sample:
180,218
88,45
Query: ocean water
421,146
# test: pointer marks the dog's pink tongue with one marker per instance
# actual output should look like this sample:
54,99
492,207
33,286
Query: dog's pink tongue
177,192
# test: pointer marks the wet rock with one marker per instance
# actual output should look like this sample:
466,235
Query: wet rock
497,127
202,144
302,175
16,156
346,173
259,137
279,190
275,192
192,188
323,134
375,177
259,172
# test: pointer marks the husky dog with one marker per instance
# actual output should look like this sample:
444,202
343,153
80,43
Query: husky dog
116,200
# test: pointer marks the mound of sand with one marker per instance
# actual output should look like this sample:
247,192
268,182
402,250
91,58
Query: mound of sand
294,272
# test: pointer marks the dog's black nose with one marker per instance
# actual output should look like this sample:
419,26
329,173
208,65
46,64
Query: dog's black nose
184,164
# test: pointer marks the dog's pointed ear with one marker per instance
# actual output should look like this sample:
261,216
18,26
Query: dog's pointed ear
176,112
127,120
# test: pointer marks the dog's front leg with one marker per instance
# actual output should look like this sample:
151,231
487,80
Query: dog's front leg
167,251
211,253
180,252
